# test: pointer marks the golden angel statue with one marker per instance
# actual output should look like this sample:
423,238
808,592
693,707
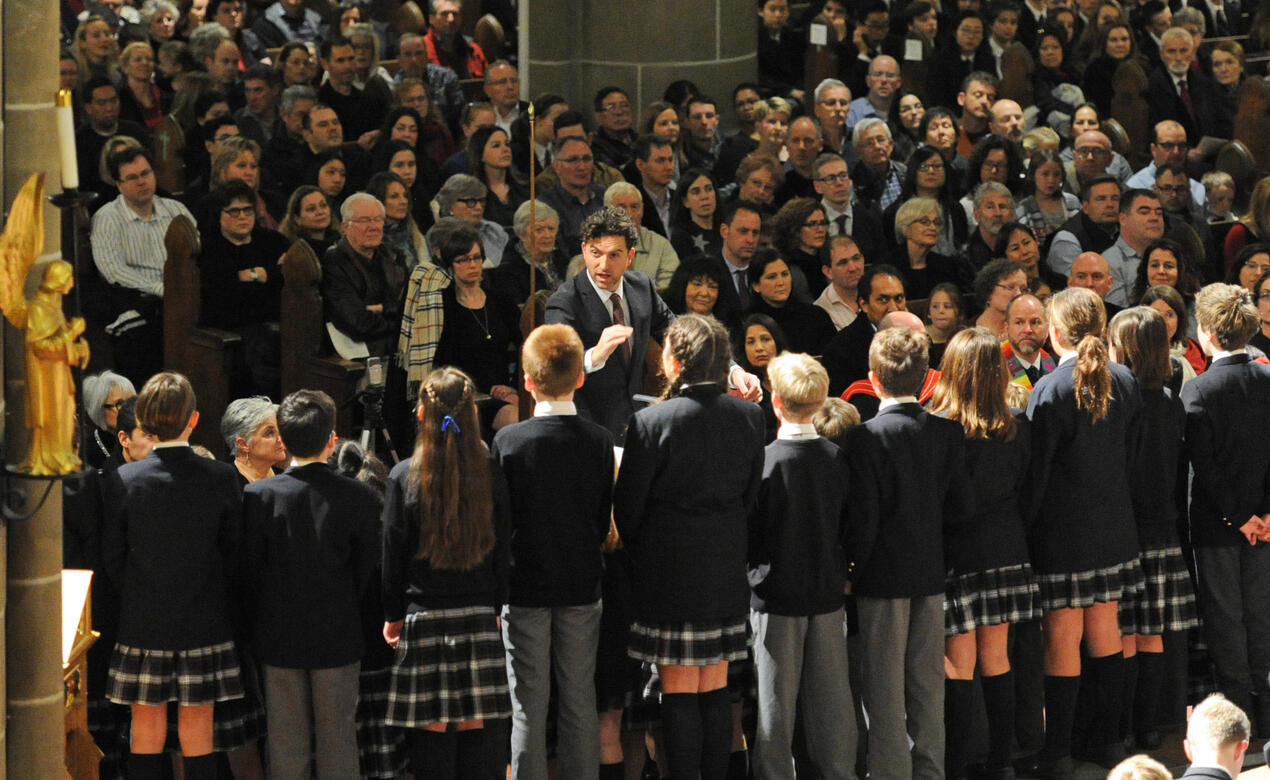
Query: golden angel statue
53,345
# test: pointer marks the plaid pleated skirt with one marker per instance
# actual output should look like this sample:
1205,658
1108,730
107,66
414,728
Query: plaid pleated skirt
450,666
1008,594
239,722
201,675
689,644
1082,589
1168,602
381,748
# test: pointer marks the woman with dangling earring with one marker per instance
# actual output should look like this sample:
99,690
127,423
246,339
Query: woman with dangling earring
250,430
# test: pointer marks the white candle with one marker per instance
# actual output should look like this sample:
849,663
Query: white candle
66,140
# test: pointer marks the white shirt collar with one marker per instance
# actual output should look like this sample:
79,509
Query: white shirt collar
792,430
1070,356
555,409
832,213
605,295
159,445
886,403
997,49
1217,355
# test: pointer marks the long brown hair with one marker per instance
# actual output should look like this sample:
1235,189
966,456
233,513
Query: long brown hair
1079,317
1141,341
700,344
972,383
449,475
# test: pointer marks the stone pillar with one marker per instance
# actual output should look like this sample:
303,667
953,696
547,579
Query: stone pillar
32,627
577,47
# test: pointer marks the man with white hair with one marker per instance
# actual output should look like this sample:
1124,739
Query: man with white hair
884,82
832,103
1006,120
878,179
993,208
1177,92
363,281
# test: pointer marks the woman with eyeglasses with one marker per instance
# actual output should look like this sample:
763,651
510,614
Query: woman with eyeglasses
995,285
929,175
799,232
918,224
481,332
1251,262
1261,292
993,158
103,393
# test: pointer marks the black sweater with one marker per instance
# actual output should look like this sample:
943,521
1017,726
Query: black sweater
559,473
1157,486
797,565
412,584
229,302
995,536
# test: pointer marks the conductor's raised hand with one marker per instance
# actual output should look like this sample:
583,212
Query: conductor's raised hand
611,338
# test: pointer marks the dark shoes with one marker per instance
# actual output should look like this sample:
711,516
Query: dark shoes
1037,765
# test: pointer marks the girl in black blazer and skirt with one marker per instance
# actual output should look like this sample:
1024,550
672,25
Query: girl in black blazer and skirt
1085,417
990,583
444,582
1138,339
689,476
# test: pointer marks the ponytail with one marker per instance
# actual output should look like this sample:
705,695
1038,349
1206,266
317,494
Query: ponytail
1093,378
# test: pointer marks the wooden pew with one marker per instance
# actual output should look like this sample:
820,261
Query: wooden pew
820,62
1129,107
169,164
303,332
491,37
204,355
1252,121
914,72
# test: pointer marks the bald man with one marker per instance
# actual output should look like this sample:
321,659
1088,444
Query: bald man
1169,145
1007,121
884,84
1026,329
863,395
1091,271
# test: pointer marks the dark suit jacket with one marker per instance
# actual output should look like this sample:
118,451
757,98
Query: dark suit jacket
1234,20
1227,426
728,308
169,540
1081,510
652,220
908,473
605,397
1211,115
312,544
946,70
846,356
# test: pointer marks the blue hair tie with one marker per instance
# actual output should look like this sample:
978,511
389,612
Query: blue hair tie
448,422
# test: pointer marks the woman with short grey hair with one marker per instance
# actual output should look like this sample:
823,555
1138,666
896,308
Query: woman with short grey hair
102,395
249,429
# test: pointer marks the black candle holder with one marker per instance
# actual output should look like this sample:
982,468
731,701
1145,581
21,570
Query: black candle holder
71,201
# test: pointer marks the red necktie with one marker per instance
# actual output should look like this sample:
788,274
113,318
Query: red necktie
619,318
1185,95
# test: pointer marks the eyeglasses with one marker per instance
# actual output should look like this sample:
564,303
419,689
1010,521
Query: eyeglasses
1012,288
1092,151
834,178
1260,268
475,257
926,221
1173,189
816,223
616,108
471,203
760,186
117,405
927,167
238,211
1175,146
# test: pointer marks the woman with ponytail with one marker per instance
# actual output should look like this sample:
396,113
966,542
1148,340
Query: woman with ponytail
1139,339
690,474
444,582
1085,419
990,584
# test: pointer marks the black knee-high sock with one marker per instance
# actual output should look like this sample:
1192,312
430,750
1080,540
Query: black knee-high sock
145,766
1128,718
716,733
473,757
681,729
1146,699
739,765
200,767
432,753
958,712
613,771
1060,714
998,701
1107,676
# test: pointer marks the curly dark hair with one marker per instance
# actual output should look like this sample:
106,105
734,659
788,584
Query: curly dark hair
1014,162
691,269
788,222
610,221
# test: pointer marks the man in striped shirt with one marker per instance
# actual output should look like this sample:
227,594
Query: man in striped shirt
127,242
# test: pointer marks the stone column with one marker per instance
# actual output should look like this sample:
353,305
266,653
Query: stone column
32,639
577,47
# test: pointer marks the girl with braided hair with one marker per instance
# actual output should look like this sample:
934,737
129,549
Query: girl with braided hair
444,582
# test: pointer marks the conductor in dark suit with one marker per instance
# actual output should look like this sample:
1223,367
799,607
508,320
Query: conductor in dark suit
617,312
1177,92
312,542
846,356
1216,740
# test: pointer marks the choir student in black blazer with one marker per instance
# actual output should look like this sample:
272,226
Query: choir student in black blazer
311,547
1227,427
1216,741
909,483
797,569
175,521
689,476
1085,417
1138,338
444,581
559,470
990,584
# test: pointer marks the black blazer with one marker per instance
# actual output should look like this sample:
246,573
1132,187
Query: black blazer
1234,19
995,536
1211,115
1159,480
908,474
1227,427
606,396
312,545
559,473
1081,511
846,356
946,70
173,528
689,477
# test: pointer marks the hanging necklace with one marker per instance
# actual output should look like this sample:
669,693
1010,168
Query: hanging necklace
484,325
101,445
